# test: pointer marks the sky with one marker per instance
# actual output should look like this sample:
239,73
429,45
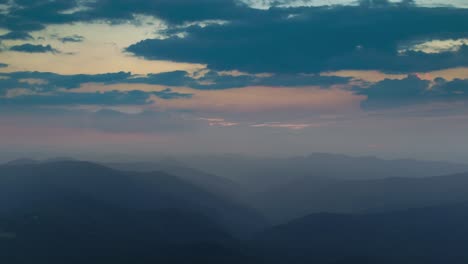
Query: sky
140,78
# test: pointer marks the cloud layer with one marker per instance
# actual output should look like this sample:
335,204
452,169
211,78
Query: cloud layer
315,39
240,75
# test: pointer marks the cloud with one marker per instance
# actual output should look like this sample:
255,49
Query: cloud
209,80
172,11
52,81
16,35
218,122
34,82
319,39
33,15
438,46
455,89
16,92
259,99
74,39
63,98
36,88
221,122
31,48
217,80
281,39
3,65
170,94
215,91
391,93
370,77
292,126
173,78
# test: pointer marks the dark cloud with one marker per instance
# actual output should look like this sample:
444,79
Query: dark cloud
412,90
20,24
391,93
385,3
107,98
3,65
74,38
211,80
409,61
215,80
33,15
457,88
290,80
174,78
53,81
16,35
314,39
169,94
277,40
31,48
172,11
45,87
113,98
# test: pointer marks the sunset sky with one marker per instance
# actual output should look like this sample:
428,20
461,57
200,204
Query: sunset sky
258,77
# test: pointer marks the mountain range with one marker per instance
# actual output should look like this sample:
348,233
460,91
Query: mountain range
68,211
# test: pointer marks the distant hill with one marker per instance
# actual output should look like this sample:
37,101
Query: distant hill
212,183
23,161
24,185
262,174
309,195
65,211
73,229
427,235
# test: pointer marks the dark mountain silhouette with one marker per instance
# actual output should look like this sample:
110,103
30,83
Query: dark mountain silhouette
67,211
309,195
23,185
74,229
425,235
